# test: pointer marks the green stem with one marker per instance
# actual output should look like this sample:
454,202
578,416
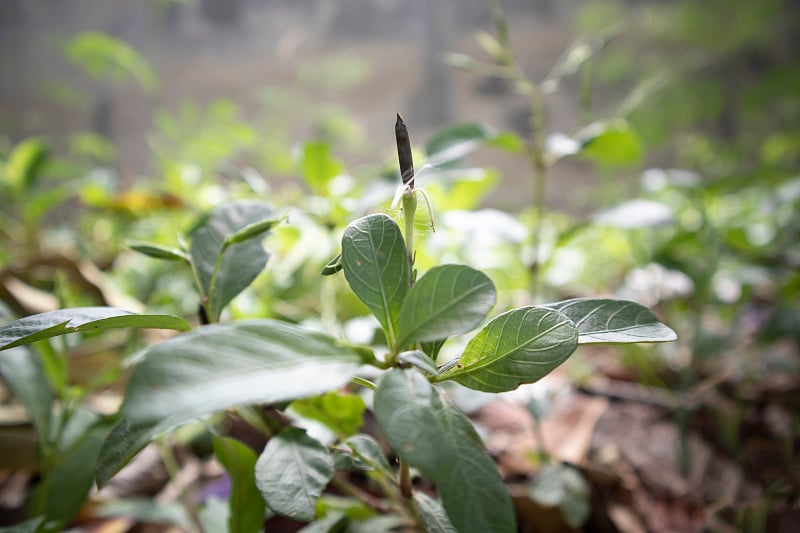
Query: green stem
409,212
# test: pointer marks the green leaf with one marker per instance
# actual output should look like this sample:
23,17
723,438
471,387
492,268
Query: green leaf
158,252
368,450
143,509
23,164
376,267
333,266
447,300
222,279
613,144
431,514
217,367
455,142
602,321
318,167
564,487
341,412
420,360
292,472
105,57
520,346
255,229
247,507
22,370
438,439
80,319
28,526
66,484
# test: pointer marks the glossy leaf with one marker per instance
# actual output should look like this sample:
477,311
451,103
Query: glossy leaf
217,367
220,281
376,267
341,412
431,514
520,346
438,439
247,507
80,319
601,321
447,300
292,472
158,252
23,372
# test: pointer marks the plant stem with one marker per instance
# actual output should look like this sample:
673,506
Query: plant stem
173,470
344,485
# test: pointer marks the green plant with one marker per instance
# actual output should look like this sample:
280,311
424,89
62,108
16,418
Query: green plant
263,362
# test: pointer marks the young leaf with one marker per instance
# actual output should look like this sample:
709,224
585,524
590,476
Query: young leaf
341,412
253,230
292,472
318,167
158,252
368,450
520,346
602,321
24,163
376,267
333,266
247,507
447,300
438,439
23,372
222,279
220,366
80,319
433,517
420,360
614,143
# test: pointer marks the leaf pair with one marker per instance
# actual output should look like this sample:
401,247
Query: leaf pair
448,300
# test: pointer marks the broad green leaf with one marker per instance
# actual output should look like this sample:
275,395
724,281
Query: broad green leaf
318,167
455,142
23,372
158,252
217,367
246,504
221,280
448,300
564,487
431,514
65,486
23,164
438,439
520,346
292,472
341,412
80,319
602,321
376,267
420,360
614,143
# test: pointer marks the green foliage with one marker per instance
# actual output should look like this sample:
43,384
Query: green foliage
104,57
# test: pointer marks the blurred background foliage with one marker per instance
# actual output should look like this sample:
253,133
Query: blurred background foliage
672,134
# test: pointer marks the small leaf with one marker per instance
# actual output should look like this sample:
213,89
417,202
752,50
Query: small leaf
431,514
254,230
341,412
247,507
376,267
24,163
292,472
438,439
217,367
456,142
333,266
601,321
614,143
448,300
318,167
221,281
158,252
564,487
80,319
520,346
23,372
368,450
420,360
